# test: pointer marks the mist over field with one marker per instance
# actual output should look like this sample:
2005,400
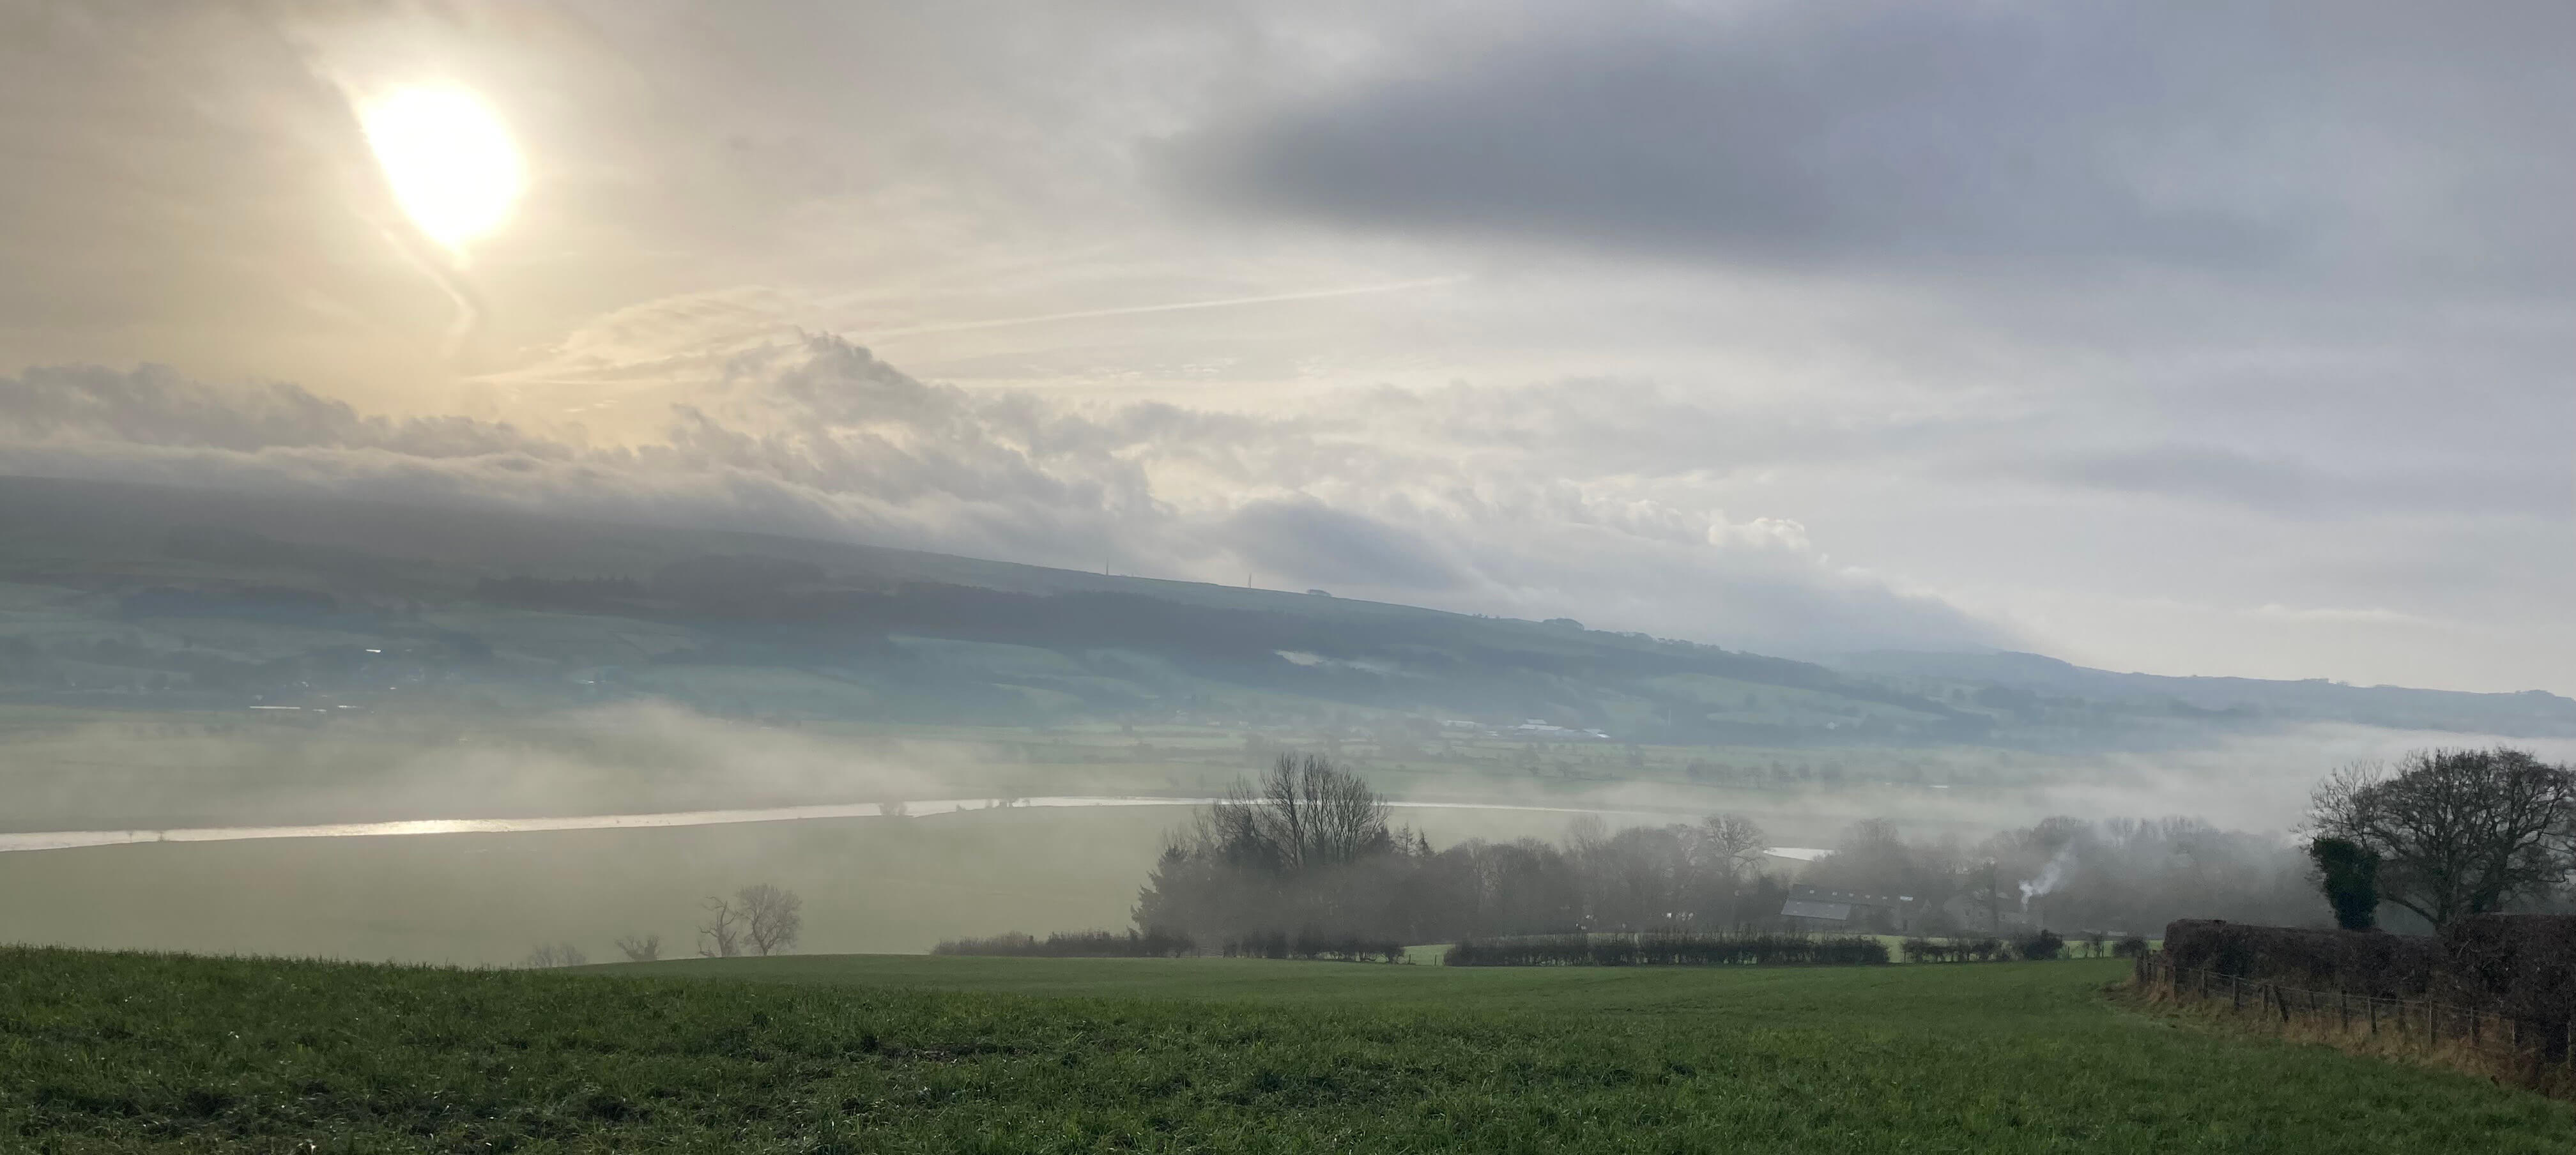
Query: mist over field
899,884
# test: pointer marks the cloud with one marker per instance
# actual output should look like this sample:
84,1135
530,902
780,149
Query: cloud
2279,484
1393,497
1308,538
2199,471
2338,615
1779,322
155,406
1890,135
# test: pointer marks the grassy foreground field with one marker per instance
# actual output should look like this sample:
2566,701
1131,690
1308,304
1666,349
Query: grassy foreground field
106,1052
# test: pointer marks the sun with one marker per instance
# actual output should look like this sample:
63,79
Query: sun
449,159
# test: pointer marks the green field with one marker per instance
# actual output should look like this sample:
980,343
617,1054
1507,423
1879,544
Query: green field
857,1053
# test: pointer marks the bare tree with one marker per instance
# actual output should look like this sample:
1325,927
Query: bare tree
1305,814
2456,832
641,948
1731,845
772,918
548,955
720,936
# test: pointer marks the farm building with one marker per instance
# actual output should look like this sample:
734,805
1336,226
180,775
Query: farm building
1819,910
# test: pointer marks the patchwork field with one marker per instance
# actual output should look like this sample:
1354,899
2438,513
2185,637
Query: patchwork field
140,1052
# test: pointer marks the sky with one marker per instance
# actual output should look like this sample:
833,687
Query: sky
2183,337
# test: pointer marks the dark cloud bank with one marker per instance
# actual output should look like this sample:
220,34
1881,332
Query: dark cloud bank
2300,140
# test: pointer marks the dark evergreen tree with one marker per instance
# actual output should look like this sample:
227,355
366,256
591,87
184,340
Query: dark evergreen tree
2349,874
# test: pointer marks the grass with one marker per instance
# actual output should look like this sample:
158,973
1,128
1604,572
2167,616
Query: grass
112,1052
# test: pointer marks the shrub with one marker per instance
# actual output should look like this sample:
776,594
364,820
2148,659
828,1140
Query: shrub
1671,949
1074,944
2134,946
2520,966
2047,944
554,955
2362,962
1927,950
1314,945
1007,943
1980,949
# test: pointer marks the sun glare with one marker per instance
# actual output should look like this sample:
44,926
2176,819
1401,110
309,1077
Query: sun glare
449,160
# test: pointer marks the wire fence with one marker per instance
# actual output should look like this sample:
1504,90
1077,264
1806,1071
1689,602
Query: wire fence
2539,1052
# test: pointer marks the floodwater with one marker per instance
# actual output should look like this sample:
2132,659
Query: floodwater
68,839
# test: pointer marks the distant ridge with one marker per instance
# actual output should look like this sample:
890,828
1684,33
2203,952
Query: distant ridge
133,596
2524,713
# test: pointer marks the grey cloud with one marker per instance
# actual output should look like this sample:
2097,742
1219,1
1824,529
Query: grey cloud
1397,502
845,445
154,405
2190,471
2198,135
2283,486
1320,543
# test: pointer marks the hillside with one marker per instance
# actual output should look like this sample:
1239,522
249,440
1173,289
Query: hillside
123,594
133,597
2026,684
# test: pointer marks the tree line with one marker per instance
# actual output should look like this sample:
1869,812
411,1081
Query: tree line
1304,862
1307,853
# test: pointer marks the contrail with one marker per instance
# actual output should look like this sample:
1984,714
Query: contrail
435,261
1175,307
426,256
